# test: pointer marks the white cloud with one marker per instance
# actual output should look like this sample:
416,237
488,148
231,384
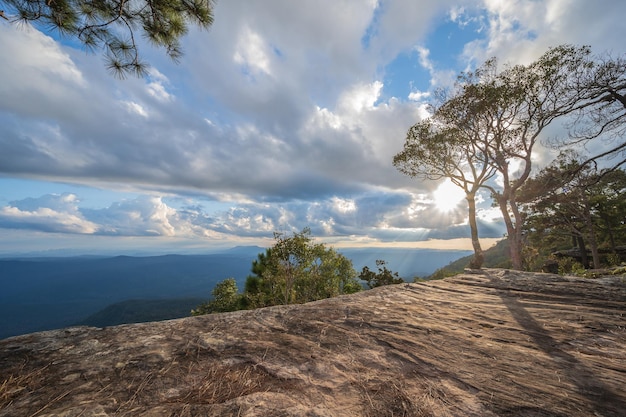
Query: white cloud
359,98
37,74
519,31
418,95
252,53
143,216
280,109
52,213
156,86
343,205
136,108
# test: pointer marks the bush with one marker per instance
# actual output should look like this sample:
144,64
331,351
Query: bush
226,298
383,277
294,270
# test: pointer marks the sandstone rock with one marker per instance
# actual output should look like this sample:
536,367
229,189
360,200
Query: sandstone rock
490,343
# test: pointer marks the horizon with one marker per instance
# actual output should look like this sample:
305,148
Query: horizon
151,252
453,245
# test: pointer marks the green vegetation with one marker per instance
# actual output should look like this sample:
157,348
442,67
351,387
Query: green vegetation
383,277
225,298
110,25
295,270
494,257
488,127
571,205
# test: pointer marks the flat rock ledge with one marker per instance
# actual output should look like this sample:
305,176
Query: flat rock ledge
489,343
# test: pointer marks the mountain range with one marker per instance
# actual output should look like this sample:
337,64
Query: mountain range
42,293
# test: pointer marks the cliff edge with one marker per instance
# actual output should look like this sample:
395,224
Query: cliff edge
490,343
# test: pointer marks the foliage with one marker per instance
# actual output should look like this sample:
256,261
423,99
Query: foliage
452,144
569,204
383,277
297,270
294,270
599,88
226,297
495,257
492,122
111,24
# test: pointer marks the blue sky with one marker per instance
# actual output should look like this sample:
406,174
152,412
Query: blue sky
283,115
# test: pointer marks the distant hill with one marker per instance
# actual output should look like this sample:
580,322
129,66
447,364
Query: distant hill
409,263
139,311
495,257
48,293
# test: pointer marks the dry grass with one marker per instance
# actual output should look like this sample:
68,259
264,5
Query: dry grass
220,383
394,398
13,386
202,383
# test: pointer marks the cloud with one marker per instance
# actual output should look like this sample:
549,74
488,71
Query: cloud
519,31
51,213
372,214
279,110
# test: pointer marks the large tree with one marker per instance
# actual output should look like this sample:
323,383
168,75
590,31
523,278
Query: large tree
502,119
112,24
529,98
452,144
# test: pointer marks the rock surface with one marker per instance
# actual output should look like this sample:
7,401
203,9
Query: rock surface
490,343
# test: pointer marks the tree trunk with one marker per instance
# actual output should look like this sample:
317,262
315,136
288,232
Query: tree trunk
477,261
513,234
593,242
517,260
609,229
583,251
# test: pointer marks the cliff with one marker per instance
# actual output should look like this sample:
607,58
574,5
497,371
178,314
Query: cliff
493,343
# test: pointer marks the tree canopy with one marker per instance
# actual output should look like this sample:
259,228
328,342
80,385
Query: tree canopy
384,276
453,143
569,204
294,270
599,88
491,124
297,270
112,25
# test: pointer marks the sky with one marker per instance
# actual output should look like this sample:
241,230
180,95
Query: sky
283,115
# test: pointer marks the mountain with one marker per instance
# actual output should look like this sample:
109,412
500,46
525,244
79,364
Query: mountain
409,263
496,256
490,344
140,311
47,293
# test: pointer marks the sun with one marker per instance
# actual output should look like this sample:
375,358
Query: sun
447,196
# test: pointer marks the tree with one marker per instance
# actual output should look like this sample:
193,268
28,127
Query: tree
599,87
528,98
384,276
111,24
502,115
226,297
296,270
453,144
580,203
